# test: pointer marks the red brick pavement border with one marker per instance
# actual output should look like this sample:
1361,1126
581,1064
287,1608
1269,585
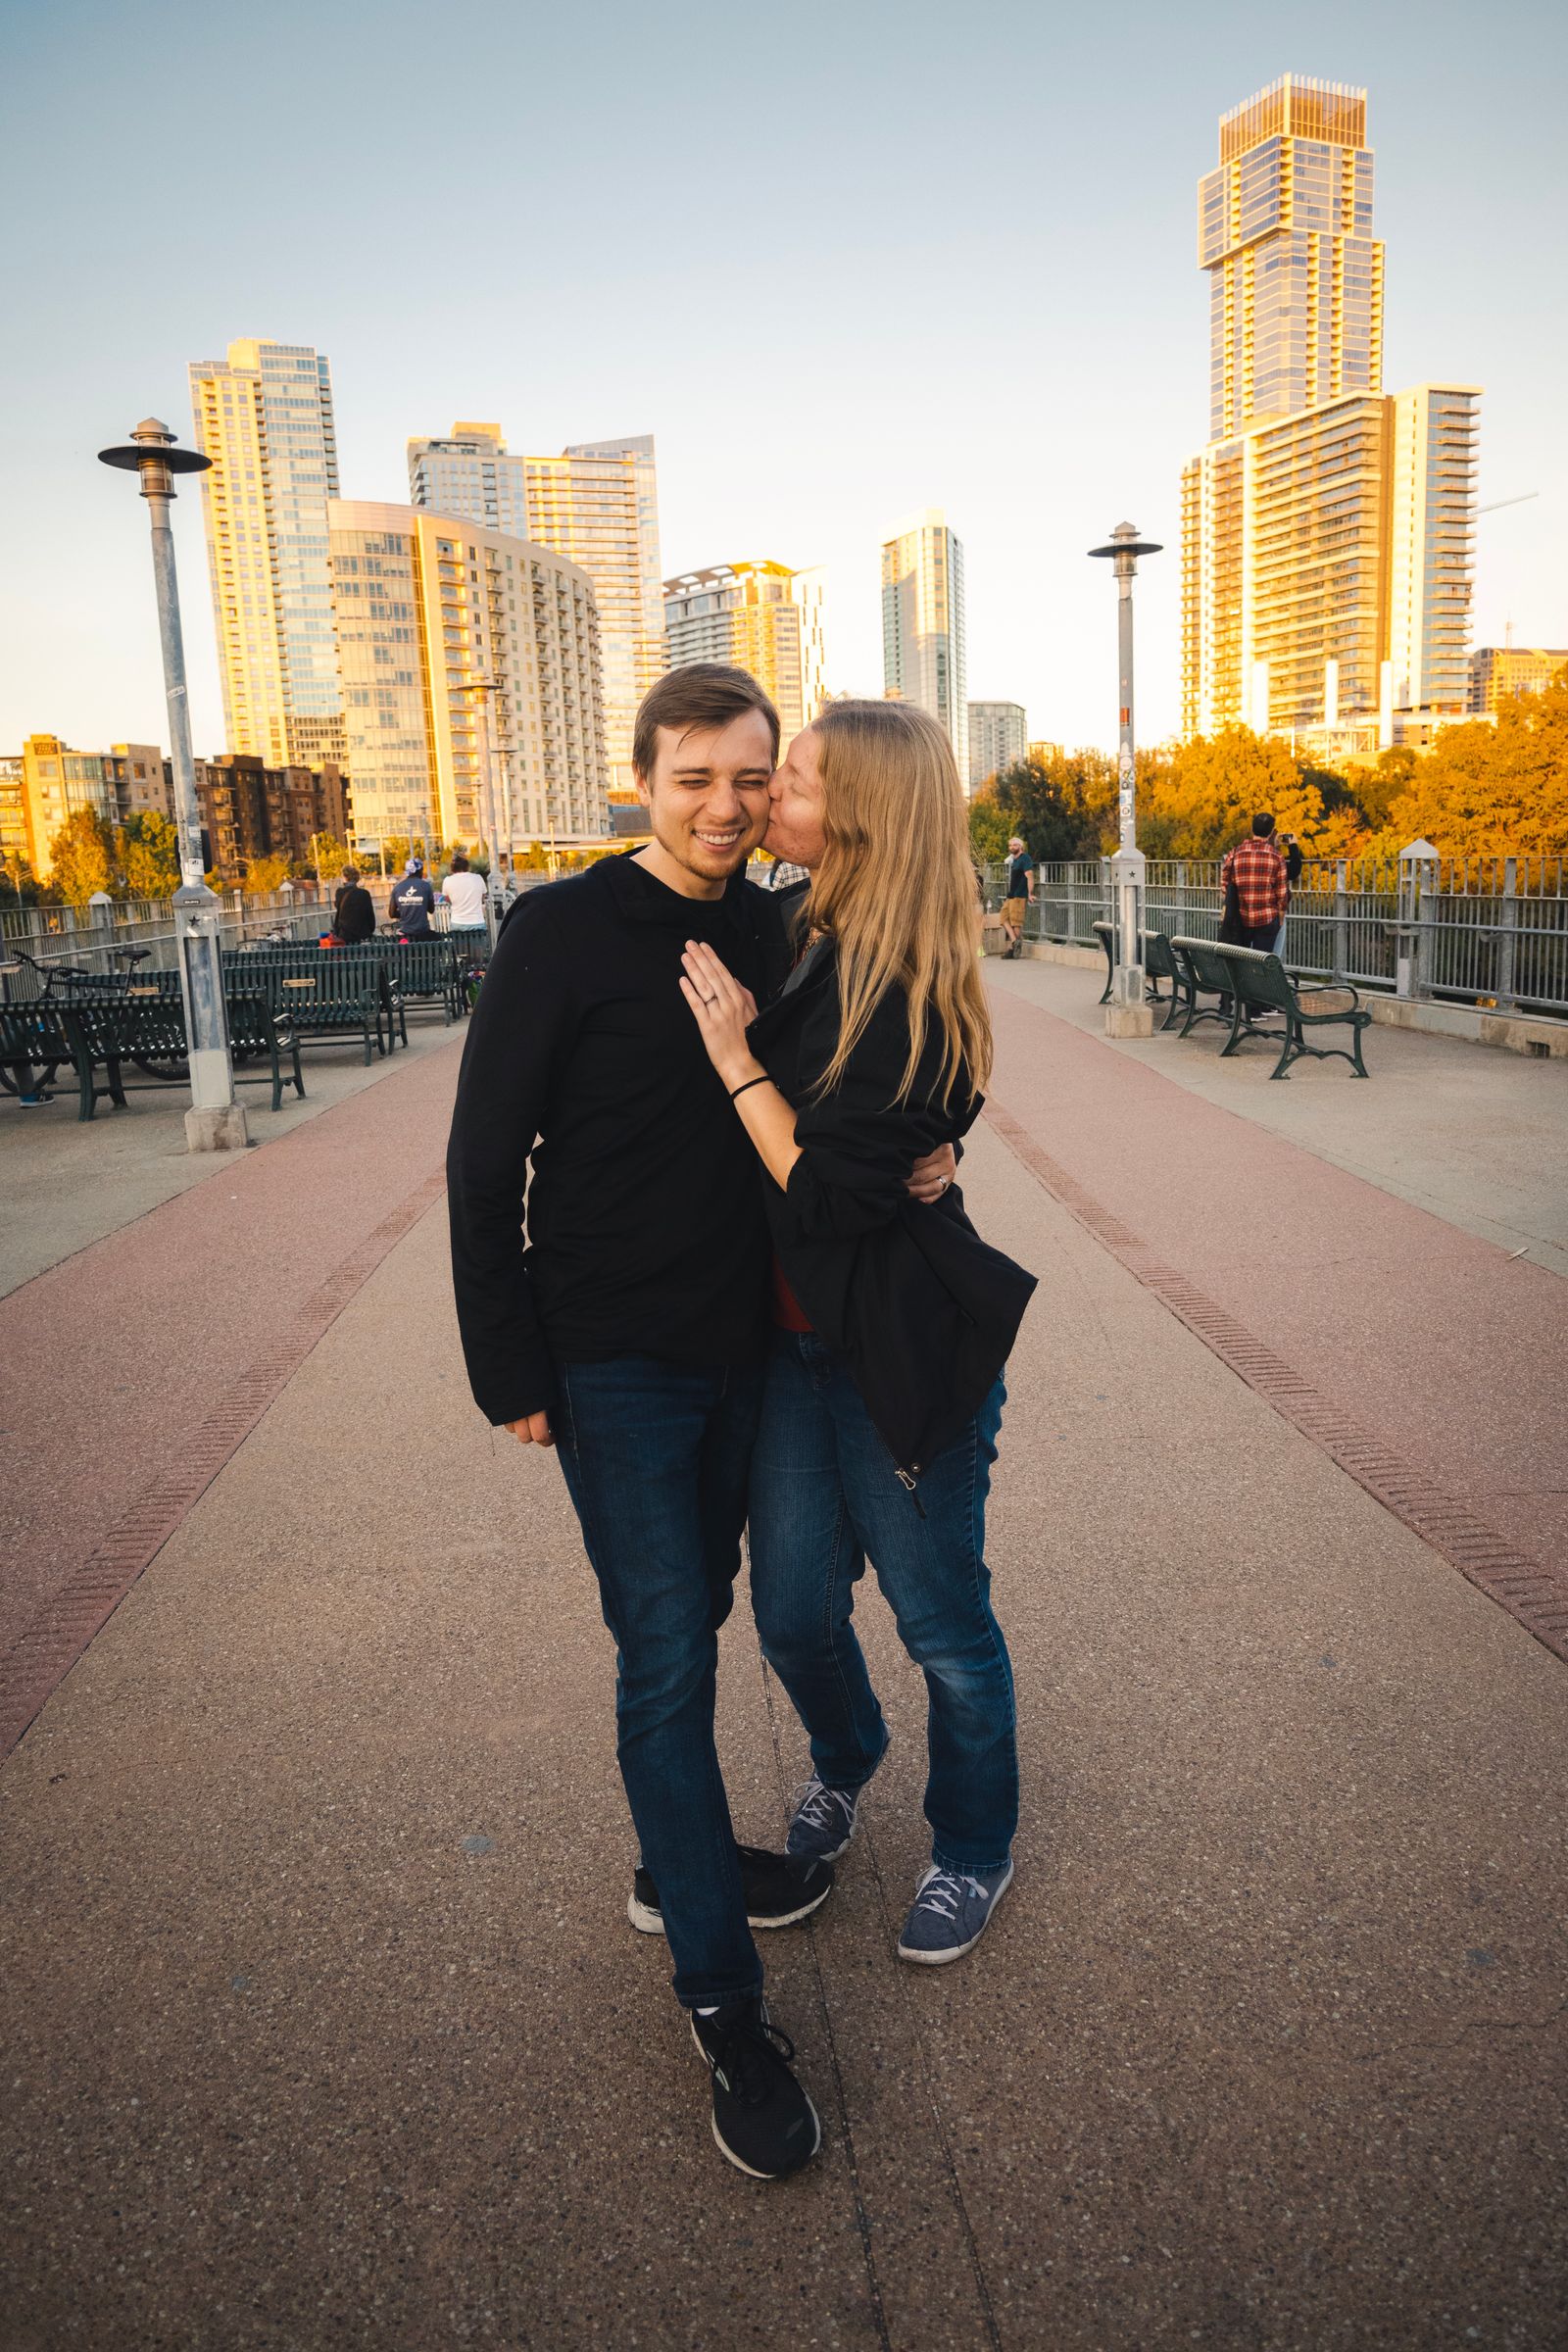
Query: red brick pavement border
1534,1596
39,1661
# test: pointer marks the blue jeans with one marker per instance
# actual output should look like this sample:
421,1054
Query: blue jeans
824,1499
656,1460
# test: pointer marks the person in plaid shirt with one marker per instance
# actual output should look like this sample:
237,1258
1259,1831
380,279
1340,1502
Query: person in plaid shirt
1262,891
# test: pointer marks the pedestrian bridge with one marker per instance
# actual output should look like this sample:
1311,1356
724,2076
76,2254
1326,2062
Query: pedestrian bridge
324,2026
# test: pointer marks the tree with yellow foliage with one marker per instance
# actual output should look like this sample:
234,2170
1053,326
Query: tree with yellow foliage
1491,792
1200,798
81,858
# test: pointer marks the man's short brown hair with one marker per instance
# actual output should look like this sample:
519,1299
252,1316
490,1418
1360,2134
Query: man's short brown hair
699,694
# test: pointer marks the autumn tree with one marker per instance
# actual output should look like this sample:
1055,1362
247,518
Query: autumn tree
264,874
20,886
1057,803
81,858
990,825
147,854
1491,792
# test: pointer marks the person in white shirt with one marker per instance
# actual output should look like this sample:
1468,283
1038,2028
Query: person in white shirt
464,892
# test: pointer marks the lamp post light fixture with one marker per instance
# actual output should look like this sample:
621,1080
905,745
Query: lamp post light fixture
1127,1015
214,1121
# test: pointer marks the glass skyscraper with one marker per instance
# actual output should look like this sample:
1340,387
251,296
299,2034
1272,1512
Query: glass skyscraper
1327,528
1295,273
263,415
924,657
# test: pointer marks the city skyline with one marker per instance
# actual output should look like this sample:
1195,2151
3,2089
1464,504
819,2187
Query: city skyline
1082,413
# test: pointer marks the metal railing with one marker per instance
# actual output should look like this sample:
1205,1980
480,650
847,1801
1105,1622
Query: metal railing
87,937
1487,932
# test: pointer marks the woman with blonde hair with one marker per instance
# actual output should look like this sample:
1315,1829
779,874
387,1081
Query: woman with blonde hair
892,1319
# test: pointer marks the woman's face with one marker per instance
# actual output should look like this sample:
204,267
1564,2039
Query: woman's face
795,805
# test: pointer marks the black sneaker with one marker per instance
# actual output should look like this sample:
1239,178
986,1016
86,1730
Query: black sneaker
780,1891
762,2120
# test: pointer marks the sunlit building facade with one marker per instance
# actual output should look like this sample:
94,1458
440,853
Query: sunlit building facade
597,505
1294,272
924,656
1327,528
470,661
264,417
1499,674
998,738
763,617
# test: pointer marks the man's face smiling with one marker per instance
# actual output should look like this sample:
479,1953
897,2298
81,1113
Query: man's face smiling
707,803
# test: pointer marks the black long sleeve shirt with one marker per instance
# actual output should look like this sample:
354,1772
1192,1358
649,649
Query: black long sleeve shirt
644,1227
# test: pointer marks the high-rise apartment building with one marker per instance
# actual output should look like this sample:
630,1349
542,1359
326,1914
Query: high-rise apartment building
924,657
471,667
1327,528
763,617
597,505
998,738
1294,272
249,809
263,415
1501,673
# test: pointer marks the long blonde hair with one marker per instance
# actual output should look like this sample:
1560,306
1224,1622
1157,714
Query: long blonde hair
896,890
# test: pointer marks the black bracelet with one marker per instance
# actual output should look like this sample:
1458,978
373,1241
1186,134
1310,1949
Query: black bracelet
741,1090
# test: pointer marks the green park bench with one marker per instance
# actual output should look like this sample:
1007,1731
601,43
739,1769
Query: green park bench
425,972
1204,973
320,995
1106,933
145,1030
33,1045
1262,985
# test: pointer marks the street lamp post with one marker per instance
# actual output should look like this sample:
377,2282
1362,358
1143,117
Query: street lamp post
1127,1015
484,688
215,1122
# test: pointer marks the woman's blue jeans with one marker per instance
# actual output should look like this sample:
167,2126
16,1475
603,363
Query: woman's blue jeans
656,1457
824,1500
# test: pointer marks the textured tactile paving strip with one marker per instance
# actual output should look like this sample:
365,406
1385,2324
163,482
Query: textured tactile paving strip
1536,1595
50,1645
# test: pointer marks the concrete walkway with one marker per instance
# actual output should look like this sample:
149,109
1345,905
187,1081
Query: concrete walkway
324,2026
1476,1137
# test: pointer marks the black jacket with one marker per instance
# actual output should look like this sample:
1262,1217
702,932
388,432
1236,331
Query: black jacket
923,1310
354,917
646,1233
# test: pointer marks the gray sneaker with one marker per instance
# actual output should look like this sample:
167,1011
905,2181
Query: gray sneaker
950,1913
824,1821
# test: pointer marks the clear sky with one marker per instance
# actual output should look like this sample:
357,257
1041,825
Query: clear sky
844,260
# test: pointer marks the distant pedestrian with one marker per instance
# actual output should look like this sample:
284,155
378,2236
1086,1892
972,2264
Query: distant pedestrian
1019,891
464,892
784,875
413,902
353,911
1257,871
1293,861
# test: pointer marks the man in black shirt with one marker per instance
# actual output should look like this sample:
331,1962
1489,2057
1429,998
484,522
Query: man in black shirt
630,1331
